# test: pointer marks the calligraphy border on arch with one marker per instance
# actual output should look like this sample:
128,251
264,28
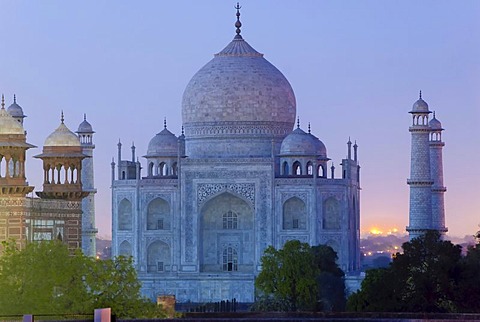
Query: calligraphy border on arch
205,190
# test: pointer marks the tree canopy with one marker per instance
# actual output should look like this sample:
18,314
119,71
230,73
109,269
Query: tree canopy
300,277
45,278
430,276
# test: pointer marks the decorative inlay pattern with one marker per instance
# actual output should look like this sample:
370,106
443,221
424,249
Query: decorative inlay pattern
300,195
246,190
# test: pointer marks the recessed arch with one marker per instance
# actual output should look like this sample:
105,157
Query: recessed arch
125,215
285,169
125,249
309,168
215,234
331,213
294,214
158,215
158,257
297,168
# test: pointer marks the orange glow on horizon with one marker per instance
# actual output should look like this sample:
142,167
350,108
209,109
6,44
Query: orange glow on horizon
382,232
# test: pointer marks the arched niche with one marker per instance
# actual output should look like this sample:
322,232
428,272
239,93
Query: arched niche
331,214
226,225
158,215
294,214
158,257
125,215
125,249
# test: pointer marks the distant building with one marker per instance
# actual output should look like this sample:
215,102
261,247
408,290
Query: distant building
57,213
240,177
427,208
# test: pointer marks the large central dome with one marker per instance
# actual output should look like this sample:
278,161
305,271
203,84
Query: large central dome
235,98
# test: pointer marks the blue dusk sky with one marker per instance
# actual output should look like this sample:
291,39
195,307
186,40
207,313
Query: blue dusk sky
356,68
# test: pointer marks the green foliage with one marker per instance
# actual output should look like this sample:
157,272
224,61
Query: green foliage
330,282
45,278
300,277
468,293
430,276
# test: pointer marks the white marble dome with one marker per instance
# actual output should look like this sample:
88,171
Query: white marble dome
85,126
238,84
435,124
420,106
320,148
163,144
298,143
8,125
237,95
62,136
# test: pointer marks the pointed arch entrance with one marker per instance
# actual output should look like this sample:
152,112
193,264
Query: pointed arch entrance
226,235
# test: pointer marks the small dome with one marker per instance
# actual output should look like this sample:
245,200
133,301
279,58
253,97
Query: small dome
15,110
8,125
435,124
62,136
320,148
420,105
163,144
85,127
299,143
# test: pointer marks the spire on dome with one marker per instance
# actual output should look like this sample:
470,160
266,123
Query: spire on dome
3,102
14,99
84,116
420,95
238,24
298,122
183,130
62,118
164,122
309,131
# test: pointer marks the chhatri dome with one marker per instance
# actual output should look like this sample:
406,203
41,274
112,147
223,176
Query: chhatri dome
420,105
16,110
299,143
8,125
237,95
163,144
85,126
62,136
435,124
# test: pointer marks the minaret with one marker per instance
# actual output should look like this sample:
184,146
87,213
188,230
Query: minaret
436,170
420,215
89,231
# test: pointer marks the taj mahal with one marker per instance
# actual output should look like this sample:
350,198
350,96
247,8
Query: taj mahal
242,175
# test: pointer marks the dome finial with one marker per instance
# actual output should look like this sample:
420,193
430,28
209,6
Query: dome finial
420,94
238,24
62,118
183,130
3,102
164,122
309,131
14,99
84,116
298,122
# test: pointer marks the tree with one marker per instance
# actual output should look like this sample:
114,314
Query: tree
289,276
422,279
330,280
468,292
300,277
45,277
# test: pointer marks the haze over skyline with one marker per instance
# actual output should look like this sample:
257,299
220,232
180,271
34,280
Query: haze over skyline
356,69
